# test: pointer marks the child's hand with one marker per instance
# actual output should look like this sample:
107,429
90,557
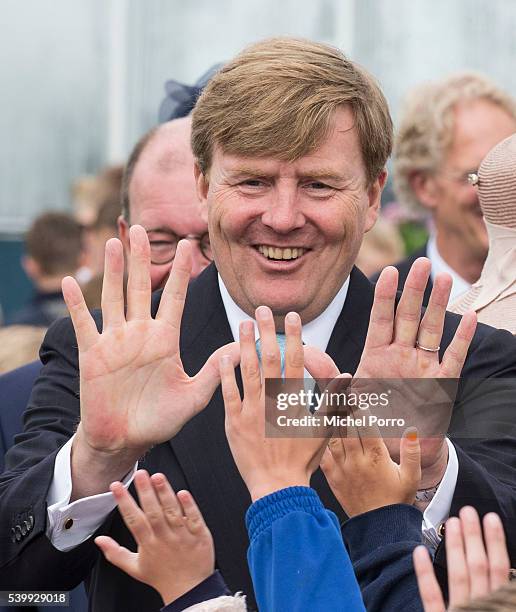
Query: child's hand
175,548
474,569
363,476
267,464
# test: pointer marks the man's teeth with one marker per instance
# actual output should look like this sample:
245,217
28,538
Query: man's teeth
278,253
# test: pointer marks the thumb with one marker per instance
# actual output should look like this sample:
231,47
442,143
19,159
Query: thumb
118,555
319,364
410,458
208,378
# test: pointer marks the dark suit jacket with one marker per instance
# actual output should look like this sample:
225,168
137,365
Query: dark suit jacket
15,389
199,459
403,268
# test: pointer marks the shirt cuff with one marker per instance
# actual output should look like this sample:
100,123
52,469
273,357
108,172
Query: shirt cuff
438,509
68,524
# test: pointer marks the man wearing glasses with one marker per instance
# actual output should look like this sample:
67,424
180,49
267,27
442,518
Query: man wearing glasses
445,131
159,193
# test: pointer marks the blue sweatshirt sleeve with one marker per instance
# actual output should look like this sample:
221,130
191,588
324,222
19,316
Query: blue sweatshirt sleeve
380,544
297,557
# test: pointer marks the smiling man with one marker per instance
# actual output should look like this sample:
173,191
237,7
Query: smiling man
278,227
290,141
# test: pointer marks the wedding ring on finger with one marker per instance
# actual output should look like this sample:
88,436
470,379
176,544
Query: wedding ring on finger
426,348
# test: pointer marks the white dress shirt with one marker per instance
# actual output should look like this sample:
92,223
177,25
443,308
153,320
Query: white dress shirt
459,285
89,513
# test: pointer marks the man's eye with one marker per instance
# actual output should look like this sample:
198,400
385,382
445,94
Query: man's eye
252,183
317,186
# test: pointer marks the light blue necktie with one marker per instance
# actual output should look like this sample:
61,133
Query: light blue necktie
281,340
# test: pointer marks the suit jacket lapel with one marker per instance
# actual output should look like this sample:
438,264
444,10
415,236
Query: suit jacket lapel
349,334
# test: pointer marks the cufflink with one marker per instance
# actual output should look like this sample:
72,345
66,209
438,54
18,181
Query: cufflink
441,530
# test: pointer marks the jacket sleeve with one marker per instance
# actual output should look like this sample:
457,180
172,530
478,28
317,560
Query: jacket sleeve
212,594
297,557
483,431
380,544
27,559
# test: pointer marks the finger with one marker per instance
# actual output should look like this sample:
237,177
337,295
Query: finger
334,396
208,378
431,327
270,352
455,354
458,576
364,427
499,563
126,560
476,556
134,519
195,521
249,365
171,508
294,354
112,300
336,452
230,391
83,324
172,300
367,432
408,312
150,503
410,459
319,364
138,283
381,319
429,589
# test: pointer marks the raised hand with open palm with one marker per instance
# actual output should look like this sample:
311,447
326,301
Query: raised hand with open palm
134,391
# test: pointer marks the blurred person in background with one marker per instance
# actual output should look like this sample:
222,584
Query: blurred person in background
159,193
54,249
19,345
446,129
104,226
382,246
493,296
89,193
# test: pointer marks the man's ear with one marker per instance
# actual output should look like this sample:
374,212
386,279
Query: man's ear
425,189
123,233
374,193
31,267
203,184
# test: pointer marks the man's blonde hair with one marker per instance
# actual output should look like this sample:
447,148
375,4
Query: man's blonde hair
278,97
426,125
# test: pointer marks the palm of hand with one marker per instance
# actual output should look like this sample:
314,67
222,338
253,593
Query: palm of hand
396,361
136,374
134,391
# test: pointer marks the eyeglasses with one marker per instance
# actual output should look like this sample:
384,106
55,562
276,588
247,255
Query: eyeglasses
163,245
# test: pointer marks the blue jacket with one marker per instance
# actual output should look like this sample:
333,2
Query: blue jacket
298,560
297,557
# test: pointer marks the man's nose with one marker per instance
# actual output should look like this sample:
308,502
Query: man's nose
283,213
